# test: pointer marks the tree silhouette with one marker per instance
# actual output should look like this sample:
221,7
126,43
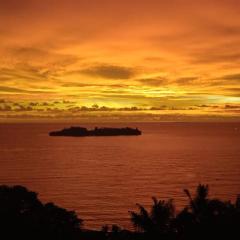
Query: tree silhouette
157,221
207,218
24,216
202,218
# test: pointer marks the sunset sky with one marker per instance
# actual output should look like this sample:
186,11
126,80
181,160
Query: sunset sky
129,59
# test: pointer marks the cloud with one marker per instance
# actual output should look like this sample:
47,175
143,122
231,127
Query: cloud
203,106
231,77
83,85
233,89
230,80
155,82
74,49
40,57
18,90
109,71
232,30
33,104
5,108
96,108
28,52
217,54
12,90
25,72
22,108
186,80
228,106
163,81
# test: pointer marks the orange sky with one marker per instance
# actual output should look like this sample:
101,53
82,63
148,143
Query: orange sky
164,58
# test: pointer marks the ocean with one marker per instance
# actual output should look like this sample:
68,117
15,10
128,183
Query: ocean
102,178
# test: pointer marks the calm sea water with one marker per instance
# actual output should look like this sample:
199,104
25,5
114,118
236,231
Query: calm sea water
103,177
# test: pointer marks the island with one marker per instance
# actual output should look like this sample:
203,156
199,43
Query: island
83,132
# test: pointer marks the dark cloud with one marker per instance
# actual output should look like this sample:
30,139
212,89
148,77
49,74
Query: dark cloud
233,31
229,106
12,90
208,106
33,104
218,58
203,106
234,89
28,52
66,102
155,82
41,57
163,107
155,59
231,77
22,108
5,108
225,81
220,29
198,94
82,85
5,78
46,104
186,80
25,72
234,92
96,108
18,90
109,71
224,53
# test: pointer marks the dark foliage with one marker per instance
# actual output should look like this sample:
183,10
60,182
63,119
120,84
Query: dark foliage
203,218
206,218
158,221
23,216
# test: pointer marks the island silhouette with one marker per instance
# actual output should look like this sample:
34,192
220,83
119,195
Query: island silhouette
84,132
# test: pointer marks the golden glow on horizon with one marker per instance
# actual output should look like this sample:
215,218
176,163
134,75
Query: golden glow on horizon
180,56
